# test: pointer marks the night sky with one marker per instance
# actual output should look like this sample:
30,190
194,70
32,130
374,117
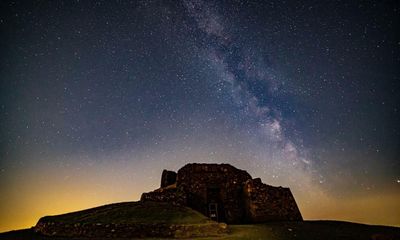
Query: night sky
98,97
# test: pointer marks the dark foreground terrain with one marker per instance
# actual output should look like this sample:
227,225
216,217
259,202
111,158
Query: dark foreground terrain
152,220
274,231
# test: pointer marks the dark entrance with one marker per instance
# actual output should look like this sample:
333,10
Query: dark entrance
215,206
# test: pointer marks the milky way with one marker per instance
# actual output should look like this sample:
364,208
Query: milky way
98,98
244,75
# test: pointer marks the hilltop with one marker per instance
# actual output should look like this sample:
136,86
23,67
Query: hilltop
195,202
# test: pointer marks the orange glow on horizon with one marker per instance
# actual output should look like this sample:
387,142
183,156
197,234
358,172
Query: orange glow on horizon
23,205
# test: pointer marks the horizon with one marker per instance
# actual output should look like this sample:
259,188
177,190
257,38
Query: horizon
98,98
309,214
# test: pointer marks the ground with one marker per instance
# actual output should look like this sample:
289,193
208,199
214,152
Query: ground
131,213
156,214
274,231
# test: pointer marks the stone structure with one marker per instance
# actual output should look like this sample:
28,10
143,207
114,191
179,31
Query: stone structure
168,178
226,194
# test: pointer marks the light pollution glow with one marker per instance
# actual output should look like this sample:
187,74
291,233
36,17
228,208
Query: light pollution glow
49,189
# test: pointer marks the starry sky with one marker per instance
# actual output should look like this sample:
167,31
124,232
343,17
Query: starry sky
98,97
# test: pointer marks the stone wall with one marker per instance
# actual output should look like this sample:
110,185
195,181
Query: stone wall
197,179
240,198
167,178
267,203
172,195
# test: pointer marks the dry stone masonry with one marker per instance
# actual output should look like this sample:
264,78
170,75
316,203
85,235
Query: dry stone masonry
226,194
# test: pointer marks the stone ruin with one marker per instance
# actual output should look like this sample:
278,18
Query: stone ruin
225,194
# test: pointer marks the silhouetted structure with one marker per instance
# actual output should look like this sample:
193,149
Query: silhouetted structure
225,194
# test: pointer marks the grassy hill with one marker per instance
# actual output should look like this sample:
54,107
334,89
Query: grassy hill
132,220
129,220
131,213
307,230
313,230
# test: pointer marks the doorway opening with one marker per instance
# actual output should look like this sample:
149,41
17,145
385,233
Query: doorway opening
214,204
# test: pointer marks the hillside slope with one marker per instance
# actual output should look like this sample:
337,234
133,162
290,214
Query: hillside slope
131,219
130,213
307,230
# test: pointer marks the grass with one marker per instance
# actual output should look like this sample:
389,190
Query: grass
131,213
310,230
153,213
